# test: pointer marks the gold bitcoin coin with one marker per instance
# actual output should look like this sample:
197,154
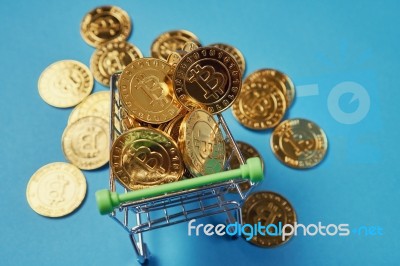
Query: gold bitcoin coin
270,210
85,142
97,104
261,105
171,41
299,143
247,151
110,58
208,78
234,52
201,143
65,83
56,189
281,79
145,157
104,24
145,89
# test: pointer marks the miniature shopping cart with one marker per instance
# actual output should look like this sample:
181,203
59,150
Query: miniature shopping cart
168,204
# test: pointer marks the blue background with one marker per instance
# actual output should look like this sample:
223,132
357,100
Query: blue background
317,43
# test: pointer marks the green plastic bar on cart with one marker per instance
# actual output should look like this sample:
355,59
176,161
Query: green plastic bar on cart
107,200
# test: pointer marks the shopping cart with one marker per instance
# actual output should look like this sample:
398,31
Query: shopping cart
164,209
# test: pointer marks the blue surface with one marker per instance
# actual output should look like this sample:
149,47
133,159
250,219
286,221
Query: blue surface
319,45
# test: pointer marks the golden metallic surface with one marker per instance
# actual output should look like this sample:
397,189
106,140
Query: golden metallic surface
299,143
104,24
145,89
208,78
201,143
110,58
56,189
145,157
171,41
189,47
85,143
266,208
234,52
97,104
260,105
128,121
247,151
173,127
173,59
65,83
281,79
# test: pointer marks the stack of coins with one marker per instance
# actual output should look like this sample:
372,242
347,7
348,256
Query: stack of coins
167,113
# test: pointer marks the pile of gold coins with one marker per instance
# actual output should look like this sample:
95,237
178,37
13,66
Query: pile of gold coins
167,126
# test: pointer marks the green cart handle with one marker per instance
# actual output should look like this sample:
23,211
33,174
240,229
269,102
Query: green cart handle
107,201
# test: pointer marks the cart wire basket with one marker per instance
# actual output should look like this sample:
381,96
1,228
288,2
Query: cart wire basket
142,215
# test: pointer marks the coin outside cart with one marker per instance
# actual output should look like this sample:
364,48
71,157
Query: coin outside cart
110,58
171,41
104,24
96,104
56,189
85,143
267,208
299,143
65,83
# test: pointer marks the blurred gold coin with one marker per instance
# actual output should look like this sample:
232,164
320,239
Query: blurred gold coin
247,151
208,78
233,51
145,157
65,83
104,24
171,41
281,79
201,143
268,208
112,57
261,105
56,189
85,142
97,104
145,89
299,143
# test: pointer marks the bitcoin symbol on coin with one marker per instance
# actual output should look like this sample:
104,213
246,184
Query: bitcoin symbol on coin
114,62
152,87
204,145
71,83
268,215
105,26
260,106
56,190
301,144
149,160
89,141
211,82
